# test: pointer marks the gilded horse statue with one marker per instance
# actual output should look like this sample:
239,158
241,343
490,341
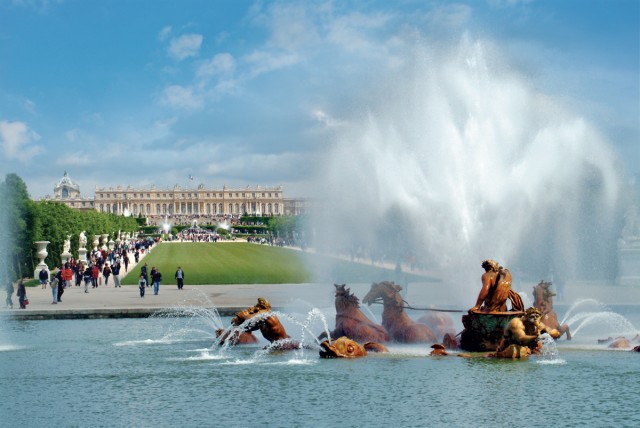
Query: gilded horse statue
235,337
351,322
440,323
395,320
543,300
261,318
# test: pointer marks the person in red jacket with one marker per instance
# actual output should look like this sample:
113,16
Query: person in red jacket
67,275
95,274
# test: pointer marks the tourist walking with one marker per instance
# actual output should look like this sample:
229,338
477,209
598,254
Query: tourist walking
9,290
125,259
67,276
106,272
54,284
115,271
95,274
142,284
156,276
145,272
22,295
180,278
77,271
43,276
86,276
60,284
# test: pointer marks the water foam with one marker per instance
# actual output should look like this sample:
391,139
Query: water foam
457,157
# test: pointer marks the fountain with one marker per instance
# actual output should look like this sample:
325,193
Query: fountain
629,250
459,157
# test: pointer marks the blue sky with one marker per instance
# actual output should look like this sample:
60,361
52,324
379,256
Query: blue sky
249,93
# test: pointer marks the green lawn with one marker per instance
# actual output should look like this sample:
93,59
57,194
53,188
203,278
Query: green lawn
242,263
224,263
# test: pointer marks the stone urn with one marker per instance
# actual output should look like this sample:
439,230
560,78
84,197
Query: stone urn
95,242
82,255
41,252
111,244
105,238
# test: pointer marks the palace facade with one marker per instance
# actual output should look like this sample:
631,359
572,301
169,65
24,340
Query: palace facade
158,203
179,201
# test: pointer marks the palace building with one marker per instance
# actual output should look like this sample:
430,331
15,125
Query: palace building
178,202
68,192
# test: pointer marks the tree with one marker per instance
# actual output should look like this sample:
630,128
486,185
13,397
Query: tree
18,230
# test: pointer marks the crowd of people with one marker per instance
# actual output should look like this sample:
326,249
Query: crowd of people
103,267
196,234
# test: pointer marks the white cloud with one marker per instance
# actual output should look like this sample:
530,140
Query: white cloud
263,61
325,119
164,33
165,124
185,46
220,64
351,32
263,165
291,26
16,139
450,15
177,96
30,106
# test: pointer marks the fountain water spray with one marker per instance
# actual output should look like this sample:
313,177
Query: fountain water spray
456,157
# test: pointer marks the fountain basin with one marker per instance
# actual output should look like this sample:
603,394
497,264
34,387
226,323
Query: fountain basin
483,331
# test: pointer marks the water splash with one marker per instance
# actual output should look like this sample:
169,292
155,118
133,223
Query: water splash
459,158
604,323
582,304
548,353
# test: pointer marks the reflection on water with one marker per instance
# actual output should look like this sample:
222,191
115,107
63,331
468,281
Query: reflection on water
151,372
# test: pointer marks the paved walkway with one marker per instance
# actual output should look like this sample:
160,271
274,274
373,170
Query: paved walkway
127,301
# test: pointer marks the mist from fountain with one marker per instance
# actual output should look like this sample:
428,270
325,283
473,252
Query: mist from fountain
548,352
602,324
454,157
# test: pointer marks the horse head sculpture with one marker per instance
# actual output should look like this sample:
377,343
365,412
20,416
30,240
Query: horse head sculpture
261,318
401,328
386,292
351,322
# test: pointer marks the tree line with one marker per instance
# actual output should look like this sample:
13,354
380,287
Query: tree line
24,221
